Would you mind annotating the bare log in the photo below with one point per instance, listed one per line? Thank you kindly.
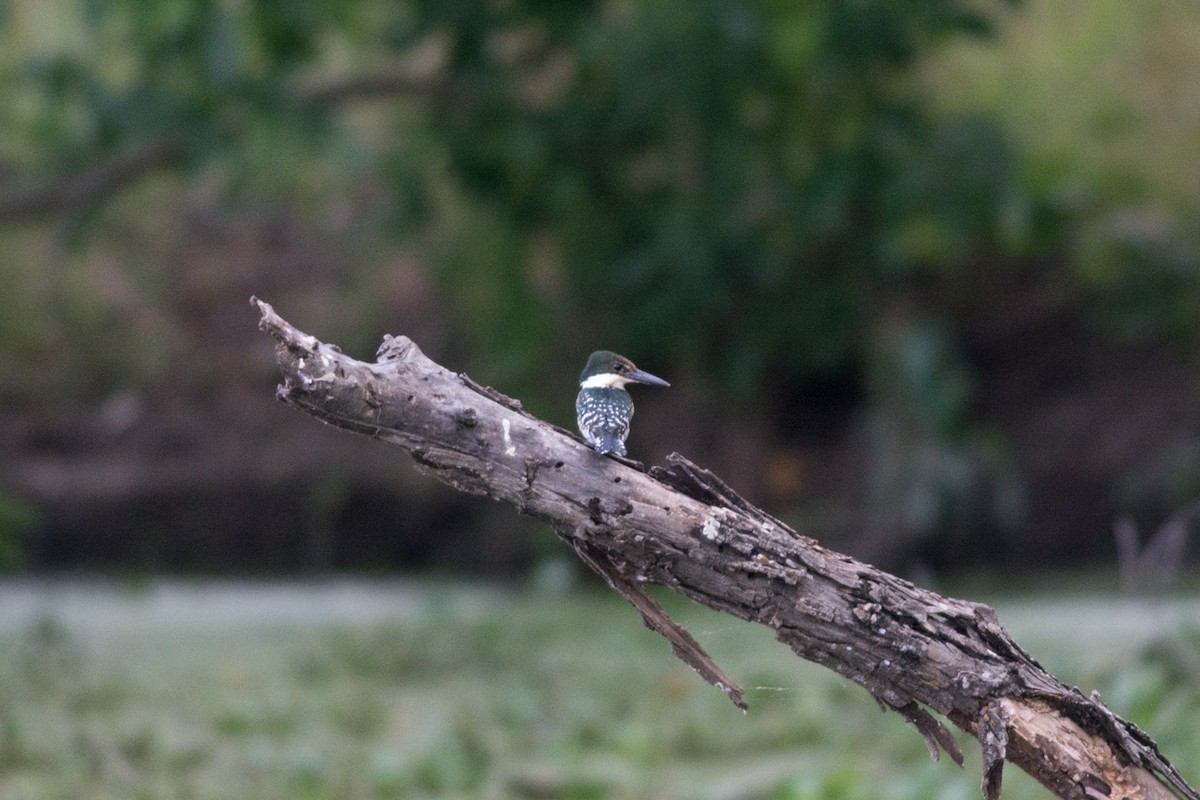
(680, 526)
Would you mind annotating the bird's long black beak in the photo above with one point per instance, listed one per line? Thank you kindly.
(641, 376)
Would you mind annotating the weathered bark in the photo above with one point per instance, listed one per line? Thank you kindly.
(682, 527)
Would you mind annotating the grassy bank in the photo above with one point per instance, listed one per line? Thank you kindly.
(490, 694)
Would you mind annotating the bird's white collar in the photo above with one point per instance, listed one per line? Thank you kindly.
(607, 380)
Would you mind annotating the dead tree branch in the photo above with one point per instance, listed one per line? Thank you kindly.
(681, 527)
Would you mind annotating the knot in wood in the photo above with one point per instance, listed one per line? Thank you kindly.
(606, 514)
(466, 418)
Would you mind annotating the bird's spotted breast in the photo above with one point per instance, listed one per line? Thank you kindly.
(603, 414)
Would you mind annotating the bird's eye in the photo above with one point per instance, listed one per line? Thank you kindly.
(618, 367)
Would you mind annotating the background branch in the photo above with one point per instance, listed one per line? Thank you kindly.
(88, 185)
(111, 175)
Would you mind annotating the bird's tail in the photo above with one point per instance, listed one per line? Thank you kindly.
(610, 443)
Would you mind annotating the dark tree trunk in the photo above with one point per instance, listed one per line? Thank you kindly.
(682, 527)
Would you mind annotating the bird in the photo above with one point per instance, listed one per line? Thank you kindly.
(603, 408)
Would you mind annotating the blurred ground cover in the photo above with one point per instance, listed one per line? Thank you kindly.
(473, 693)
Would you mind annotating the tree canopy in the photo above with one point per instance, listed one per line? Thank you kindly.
(736, 186)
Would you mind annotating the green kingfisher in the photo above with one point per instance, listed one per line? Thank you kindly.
(603, 408)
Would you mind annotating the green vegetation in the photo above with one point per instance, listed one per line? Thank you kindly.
(733, 187)
(827, 220)
(522, 696)
(740, 188)
(1098, 100)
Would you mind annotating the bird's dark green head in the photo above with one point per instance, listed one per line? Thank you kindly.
(606, 368)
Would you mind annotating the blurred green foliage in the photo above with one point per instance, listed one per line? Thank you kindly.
(734, 187)
(729, 186)
(931, 472)
(761, 195)
(1099, 104)
(740, 188)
